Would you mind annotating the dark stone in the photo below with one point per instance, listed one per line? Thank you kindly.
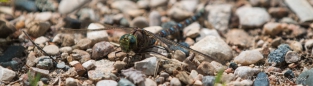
(125, 82)
(261, 80)
(208, 80)
(28, 5)
(11, 52)
(12, 64)
(278, 55)
(305, 78)
(233, 65)
(44, 80)
(289, 74)
(72, 23)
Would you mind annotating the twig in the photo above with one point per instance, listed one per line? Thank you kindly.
(39, 47)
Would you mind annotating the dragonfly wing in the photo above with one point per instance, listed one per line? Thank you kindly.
(106, 27)
(169, 42)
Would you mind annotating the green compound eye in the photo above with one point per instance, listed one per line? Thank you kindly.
(128, 42)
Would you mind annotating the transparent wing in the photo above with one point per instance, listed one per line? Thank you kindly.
(169, 42)
(106, 27)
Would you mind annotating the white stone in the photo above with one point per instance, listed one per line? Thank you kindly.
(66, 49)
(248, 57)
(89, 64)
(97, 35)
(246, 72)
(148, 82)
(67, 6)
(72, 63)
(107, 83)
(6, 74)
(153, 29)
(219, 15)
(41, 40)
(148, 66)
(51, 49)
(155, 3)
(252, 16)
(71, 82)
(193, 30)
(302, 8)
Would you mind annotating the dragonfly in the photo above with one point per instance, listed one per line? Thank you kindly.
(140, 39)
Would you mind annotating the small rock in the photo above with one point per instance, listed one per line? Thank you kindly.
(248, 57)
(101, 49)
(135, 75)
(278, 12)
(42, 72)
(95, 75)
(206, 32)
(66, 49)
(273, 69)
(233, 65)
(175, 82)
(226, 78)
(208, 80)
(72, 23)
(193, 30)
(153, 29)
(6, 29)
(44, 62)
(41, 40)
(66, 7)
(79, 69)
(125, 82)
(246, 82)
(278, 55)
(88, 13)
(219, 15)
(309, 44)
(217, 66)
(61, 65)
(179, 55)
(44, 5)
(89, 64)
(246, 72)
(184, 77)
(193, 74)
(198, 83)
(72, 63)
(178, 12)
(239, 37)
(97, 36)
(160, 80)
(156, 3)
(252, 16)
(277, 41)
(43, 16)
(51, 49)
(119, 65)
(148, 66)
(30, 61)
(140, 22)
(289, 74)
(305, 78)
(135, 12)
(107, 83)
(27, 5)
(124, 5)
(148, 82)
(288, 20)
(6, 74)
(272, 29)
(36, 28)
(302, 8)
(164, 74)
(84, 43)
(206, 68)
(261, 80)
(260, 3)
(105, 66)
(154, 18)
(214, 47)
(82, 56)
(291, 57)
(71, 82)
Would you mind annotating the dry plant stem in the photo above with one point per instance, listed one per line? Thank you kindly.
(39, 47)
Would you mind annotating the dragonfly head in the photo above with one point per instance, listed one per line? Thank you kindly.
(128, 42)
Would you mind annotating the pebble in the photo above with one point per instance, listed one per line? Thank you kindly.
(84, 43)
(289, 74)
(248, 57)
(175, 82)
(43, 16)
(198, 83)
(208, 80)
(260, 3)
(273, 69)
(140, 22)
(288, 20)
(51, 49)
(156, 3)
(66, 49)
(36, 28)
(27, 5)
(185, 78)
(291, 57)
(43, 72)
(124, 5)
(164, 74)
(135, 12)
(125, 82)
(246, 82)
(296, 46)
(95, 75)
(153, 29)
(66, 7)
(178, 13)
(89, 64)
(41, 40)
(189, 5)
(239, 37)
(6, 29)
(82, 55)
(72, 82)
(160, 80)
(72, 23)
(101, 49)
(11, 52)
(148, 82)
(305, 78)
(97, 36)
(105, 66)
(214, 47)
(80, 69)
(246, 72)
(261, 80)
(119, 65)
(206, 68)
(46, 5)
(30, 61)
(143, 4)
(309, 44)
(179, 55)
(233, 65)
(278, 55)
(6, 10)
(252, 16)
(219, 15)
(44, 62)
(88, 13)
(278, 12)
(6, 74)
(217, 66)
(148, 66)
(124, 22)
(193, 30)
(72, 63)
(302, 9)
(272, 29)
(135, 75)
(206, 32)
(108, 19)
(61, 65)
(227, 77)
(154, 18)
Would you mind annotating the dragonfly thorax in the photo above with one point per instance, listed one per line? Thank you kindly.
(128, 42)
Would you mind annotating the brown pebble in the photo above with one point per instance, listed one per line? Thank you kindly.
(229, 70)
(292, 65)
(79, 69)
